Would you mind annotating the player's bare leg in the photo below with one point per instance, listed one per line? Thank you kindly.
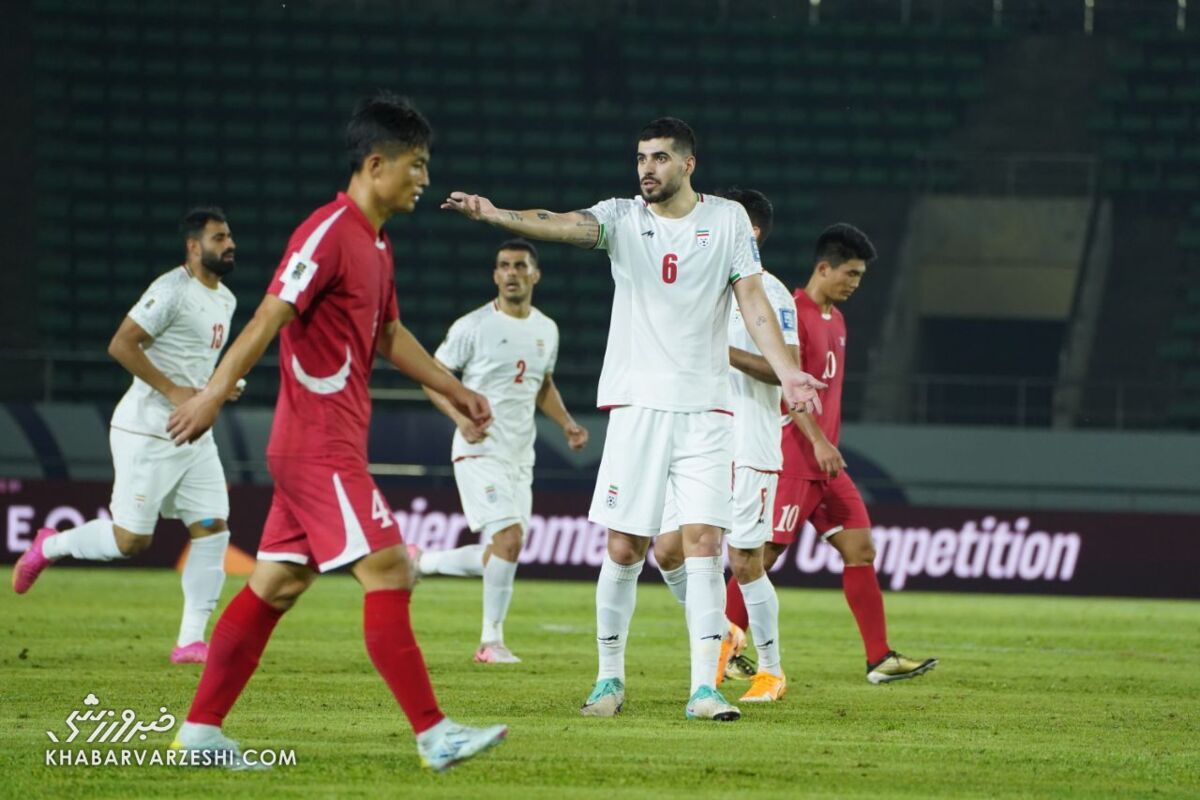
(763, 609)
(499, 572)
(707, 626)
(668, 552)
(616, 598)
(202, 580)
(861, 587)
(238, 641)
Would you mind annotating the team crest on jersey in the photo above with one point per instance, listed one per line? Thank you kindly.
(702, 237)
(787, 320)
(541, 348)
(490, 492)
(611, 499)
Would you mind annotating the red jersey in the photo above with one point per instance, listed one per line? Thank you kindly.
(340, 278)
(823, 355)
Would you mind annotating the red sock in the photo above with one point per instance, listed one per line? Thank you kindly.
(735, 605)
(394, 652)
(866, 602)
(238, 640)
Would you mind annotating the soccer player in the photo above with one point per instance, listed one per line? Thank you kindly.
(333, 304)
(169, 342)
(757, 459)
(814, 484)
(678, 258)
(506, 351)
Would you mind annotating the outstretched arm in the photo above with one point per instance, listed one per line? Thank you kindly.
(550, 401)
(578, 228)
(799, 388)
(192, 418)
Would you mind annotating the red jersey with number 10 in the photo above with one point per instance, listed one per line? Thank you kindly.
(823, 355)
(340, 278)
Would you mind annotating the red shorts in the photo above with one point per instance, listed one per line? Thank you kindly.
(830, 505)
(325, 516)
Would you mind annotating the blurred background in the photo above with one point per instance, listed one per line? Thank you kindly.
(1029, 338)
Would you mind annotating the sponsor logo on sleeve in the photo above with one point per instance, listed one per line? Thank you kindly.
(754, 250)
(298, 273)
(787, 319)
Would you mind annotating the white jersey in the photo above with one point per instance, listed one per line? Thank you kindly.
(189, 324)
(505, 359)
(756, 405)
(667, 344)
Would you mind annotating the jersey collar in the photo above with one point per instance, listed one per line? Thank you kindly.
(344, 200)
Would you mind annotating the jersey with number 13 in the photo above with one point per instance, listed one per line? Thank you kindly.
(667, 338)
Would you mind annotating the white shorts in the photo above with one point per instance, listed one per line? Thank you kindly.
(753, 507)
(152, 476)
(494, 494)
(655, 460)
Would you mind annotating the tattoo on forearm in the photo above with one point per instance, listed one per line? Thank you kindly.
(542, 215)
(515, 216)
(760, 321)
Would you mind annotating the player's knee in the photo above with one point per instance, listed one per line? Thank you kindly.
(623, 551)
(668, 554)
(283, 595)
(131, 544)
(857, 549)
(507, 543)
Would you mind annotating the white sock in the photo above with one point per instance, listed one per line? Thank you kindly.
(705, 616)
(91, 541)
(763, 606)
(616, 597)
(676, 580)
(203, 577)
(498, 576)
(461, 562)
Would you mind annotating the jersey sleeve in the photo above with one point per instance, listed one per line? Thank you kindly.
(746, 260)
(553, 360)
(785, 310)
(458, 347)
(607, 212)
(308, 268)
(160, 304)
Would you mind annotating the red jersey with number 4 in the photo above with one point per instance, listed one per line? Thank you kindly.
(340, 278)
(822, 354)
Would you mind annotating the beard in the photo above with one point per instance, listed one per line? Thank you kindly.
(663, 193)
(216, 263)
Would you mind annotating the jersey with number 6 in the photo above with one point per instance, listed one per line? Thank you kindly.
(822, 354)
(667, 339)
(756, 404)
(189, 324)
(505, 359)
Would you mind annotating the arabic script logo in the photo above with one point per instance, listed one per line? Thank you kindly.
(111, 727)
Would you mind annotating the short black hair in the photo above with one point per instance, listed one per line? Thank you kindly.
(671, 128)
(385, 123)
(519, 244)
(196, 220)
(843, 242)
(758, 207)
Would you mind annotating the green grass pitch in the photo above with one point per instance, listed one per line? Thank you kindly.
(1035, 696)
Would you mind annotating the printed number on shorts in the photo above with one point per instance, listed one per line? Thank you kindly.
(520, 372)
(379, 510)
(670, 268)
(789, 517)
